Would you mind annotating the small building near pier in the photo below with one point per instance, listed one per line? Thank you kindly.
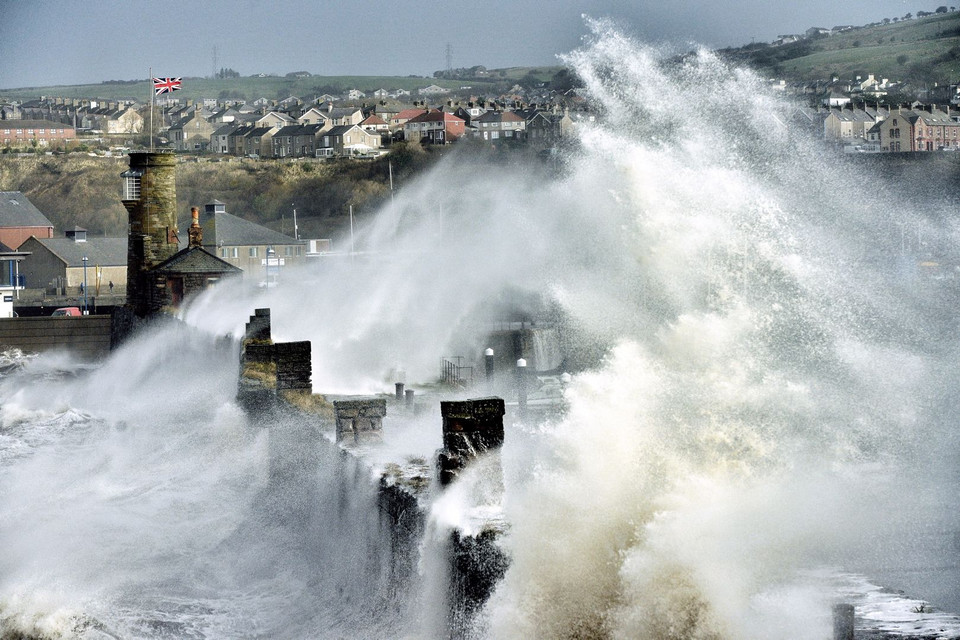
(251, 247)
(193, 269)
(61, 265)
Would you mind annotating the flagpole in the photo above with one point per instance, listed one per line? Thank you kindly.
(153, 97)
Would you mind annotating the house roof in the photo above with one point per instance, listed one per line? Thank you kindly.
(196, 260)
(435, 116)
(852, 115)
(298, 130)
(343, 112)
(499, 116)
(342, 129)
(35, 124)
(229, 230)
(935, 118)
(105, 252)
(226, 129)
(406, 114)
(17, 211)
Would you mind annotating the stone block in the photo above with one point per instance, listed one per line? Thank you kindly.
(360, 420)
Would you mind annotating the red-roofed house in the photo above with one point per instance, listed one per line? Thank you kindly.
(397, 121)
(434, 127)
(375, 124)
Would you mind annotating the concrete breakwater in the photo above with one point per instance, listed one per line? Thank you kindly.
(275, 389)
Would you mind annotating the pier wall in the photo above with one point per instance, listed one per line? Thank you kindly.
(85, 337)
(473, 564)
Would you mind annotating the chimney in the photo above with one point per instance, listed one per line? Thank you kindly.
(195, 232)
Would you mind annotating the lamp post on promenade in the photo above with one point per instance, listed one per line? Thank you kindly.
(84, 285)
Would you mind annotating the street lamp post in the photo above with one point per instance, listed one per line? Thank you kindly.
(273, 267)
(84, 285)
(522, 388)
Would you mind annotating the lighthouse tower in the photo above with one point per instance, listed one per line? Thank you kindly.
(150, 197)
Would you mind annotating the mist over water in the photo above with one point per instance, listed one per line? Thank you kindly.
(763, 387)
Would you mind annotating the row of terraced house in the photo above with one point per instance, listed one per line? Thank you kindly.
(354, 131)
(922, 128)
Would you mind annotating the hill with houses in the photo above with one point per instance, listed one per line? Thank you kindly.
(887, 87)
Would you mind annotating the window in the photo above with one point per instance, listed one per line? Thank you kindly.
(288, 251)
(234, 252)
(298, 251)
(253, 252)
(223, 252)
(131, 184)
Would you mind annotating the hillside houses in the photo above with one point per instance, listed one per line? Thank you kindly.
(434, 127)
(920, 130)
(844, 112)
(111, 117)
(881, 130)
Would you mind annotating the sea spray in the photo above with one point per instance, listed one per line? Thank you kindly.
(763, 382)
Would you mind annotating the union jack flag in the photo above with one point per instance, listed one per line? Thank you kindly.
(165, 85)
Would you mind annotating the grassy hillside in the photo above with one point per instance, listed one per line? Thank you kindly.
(252, 88)
(76, 189)
(923, 50)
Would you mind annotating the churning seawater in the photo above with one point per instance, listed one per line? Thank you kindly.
(763, 399)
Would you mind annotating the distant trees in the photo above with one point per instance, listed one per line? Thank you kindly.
(941, 9)
(462, 73)
(226, 73)
(902, 59)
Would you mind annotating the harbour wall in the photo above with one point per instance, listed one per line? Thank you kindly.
(274, 389)
(84, 337)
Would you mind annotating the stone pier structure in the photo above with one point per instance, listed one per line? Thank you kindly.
(472, 563)
(470, 428)
(268, 367)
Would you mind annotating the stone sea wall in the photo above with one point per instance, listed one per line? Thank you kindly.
(474, 562)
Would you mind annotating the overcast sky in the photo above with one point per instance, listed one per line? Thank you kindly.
(51, 42)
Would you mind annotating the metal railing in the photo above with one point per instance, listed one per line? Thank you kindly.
(455, 374)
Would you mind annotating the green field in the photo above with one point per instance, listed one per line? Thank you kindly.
(923, 50)
(278, 88)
